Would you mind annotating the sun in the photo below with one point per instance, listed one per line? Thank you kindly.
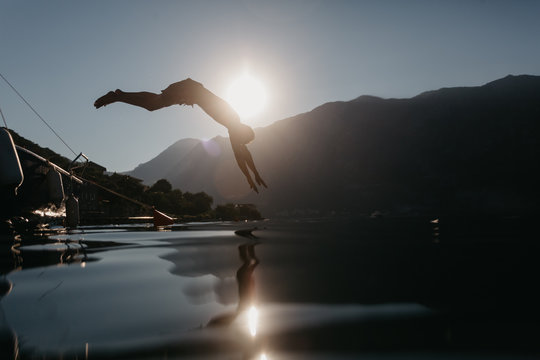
(246, 95)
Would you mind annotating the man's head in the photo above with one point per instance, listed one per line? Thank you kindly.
(242, 134)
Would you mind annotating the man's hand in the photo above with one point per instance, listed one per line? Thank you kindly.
(260, 181)
(252, 184)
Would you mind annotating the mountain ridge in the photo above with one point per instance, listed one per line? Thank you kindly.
(161, 162)
(452, 150)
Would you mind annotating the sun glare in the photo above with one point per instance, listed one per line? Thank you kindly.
(247, 96)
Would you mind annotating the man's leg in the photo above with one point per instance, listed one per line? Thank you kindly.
(147, 100)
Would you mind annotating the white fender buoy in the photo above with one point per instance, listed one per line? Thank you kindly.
(55, 186)
(11, 174)
(72, 211)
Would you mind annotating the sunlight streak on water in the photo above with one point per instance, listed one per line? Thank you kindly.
(51, 211)
(253, 318)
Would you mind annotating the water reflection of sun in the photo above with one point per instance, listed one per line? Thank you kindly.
(253, 319)
(247, 95)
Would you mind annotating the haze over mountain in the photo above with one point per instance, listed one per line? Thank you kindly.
(155, 169)
(467, 150)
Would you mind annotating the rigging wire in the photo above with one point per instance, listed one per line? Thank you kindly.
(37, 114)
(3, 118)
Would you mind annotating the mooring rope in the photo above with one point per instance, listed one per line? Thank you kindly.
(37, 114)
(115, 193)
(140, 203)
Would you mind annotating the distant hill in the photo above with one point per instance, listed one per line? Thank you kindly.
(467, 150)
(160, 166)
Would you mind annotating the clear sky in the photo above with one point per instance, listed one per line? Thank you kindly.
(62, 55)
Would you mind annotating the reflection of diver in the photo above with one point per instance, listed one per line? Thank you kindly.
(244, 276)
(246, 286)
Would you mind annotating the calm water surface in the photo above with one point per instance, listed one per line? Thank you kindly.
(310, 289)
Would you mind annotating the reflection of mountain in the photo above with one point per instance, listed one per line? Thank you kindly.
(452, 150)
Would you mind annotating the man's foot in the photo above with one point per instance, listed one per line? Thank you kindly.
(108, 98)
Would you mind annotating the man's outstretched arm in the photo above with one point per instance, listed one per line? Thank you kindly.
(251, 164)
(245, 162)
(240, 155)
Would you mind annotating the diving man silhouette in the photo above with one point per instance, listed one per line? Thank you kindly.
(190, 92)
